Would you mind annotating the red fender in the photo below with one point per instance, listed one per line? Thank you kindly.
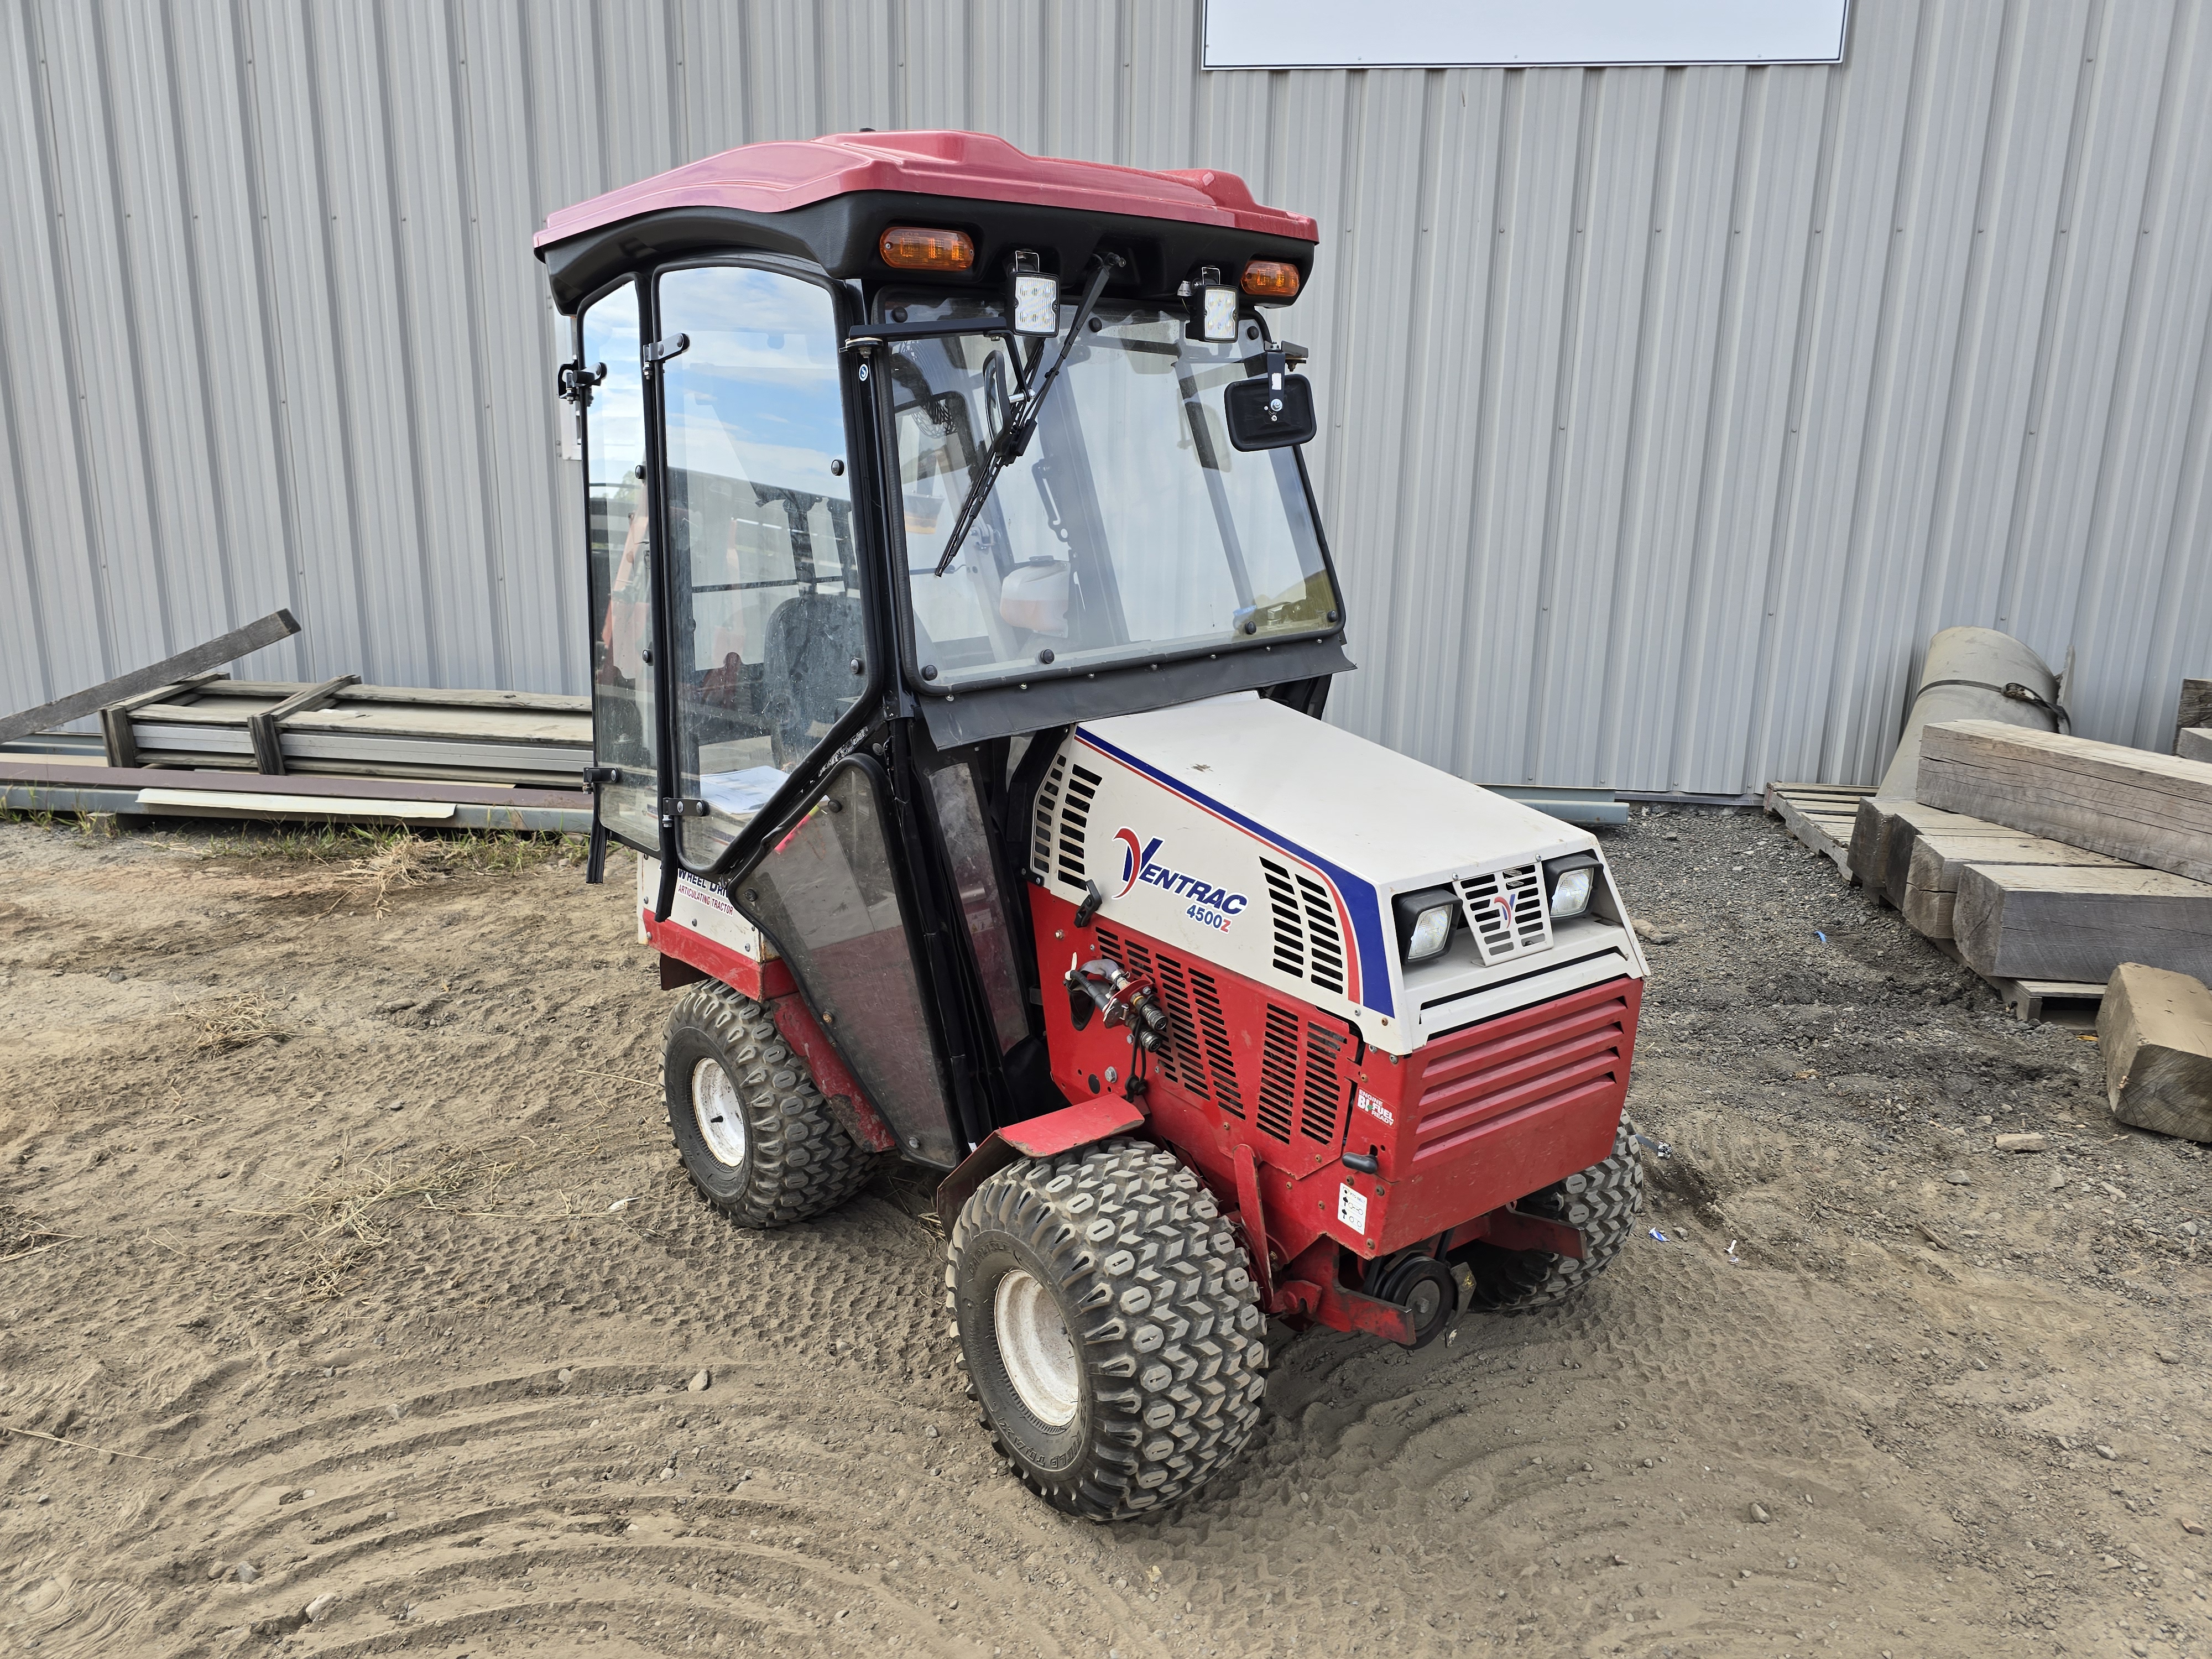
(1035, 1137)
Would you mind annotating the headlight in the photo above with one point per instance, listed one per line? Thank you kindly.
(1424, 922)
(1571, 891)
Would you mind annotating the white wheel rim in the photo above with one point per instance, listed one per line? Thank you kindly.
(722, 1119)
(1039, 1353)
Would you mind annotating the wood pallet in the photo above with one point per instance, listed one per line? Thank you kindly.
(2067, 1002)
(1819, 814)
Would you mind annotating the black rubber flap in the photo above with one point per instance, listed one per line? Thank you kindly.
(1005, 711)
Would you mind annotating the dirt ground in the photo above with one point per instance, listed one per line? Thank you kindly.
(346, 1246)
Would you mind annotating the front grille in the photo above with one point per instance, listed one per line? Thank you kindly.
(1474, 1079)
(1075, 828)
(1308, 945)
(1505, 909)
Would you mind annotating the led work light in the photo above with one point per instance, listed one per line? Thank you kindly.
(1212, 307)
(1571, 879)
(913, 247)
(1424, 922)
(1032, 296)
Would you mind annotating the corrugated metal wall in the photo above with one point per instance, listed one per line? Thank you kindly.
(1668, 411)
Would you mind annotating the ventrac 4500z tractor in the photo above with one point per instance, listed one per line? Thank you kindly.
(960, 624)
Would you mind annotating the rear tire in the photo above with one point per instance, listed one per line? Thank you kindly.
(1602, 1201)
(756, 1136)
(1110, 1328)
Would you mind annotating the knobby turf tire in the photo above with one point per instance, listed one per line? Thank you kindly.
(1602, 1201)
(1159, 1301)
(798, 1162)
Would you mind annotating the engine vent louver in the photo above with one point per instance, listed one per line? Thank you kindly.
(1309, 945)
(1278, 1072)
(1075, 827)
(1047, 816)
(1181, 1060)
(1220, 1058)
(1322, 1092)
(1505, 909)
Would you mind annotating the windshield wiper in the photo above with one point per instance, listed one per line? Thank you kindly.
(1014, 438)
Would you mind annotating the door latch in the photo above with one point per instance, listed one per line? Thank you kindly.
(682, 806)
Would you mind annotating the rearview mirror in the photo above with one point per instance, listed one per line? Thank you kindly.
(1270, 412)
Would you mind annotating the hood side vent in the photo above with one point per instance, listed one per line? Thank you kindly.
(1325, 941)
(1309, 945)
(1046, 815)
(1075, 828)
(1290, 935)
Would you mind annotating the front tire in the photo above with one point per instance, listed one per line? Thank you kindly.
(1110, 1328)
(1602, 1201)
(755, 1134)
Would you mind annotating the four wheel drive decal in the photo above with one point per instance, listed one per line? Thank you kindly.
(1357, 903)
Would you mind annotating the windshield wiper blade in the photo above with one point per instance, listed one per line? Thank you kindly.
(1009, 444)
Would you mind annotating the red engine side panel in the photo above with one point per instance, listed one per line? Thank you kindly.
(1475, 1120)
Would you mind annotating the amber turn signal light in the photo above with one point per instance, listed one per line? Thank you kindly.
(910, 248)
(1271, 279)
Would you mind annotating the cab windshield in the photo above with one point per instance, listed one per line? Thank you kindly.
(1130, 531)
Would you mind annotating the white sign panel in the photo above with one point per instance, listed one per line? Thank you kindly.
(1516, 33)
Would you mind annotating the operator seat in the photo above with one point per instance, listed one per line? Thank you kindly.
(806, 669)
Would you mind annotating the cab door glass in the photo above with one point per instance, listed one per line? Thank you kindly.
(759, 537)
(968, 849)
(620, 560)
(824, 894)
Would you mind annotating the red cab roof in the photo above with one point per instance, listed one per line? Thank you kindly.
(775, 178)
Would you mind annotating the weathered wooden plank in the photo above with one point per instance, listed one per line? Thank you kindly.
(268, 754)
(1807, 829)
(1878, 818)
(2194, 743)
(2151, 810)
(1904, 833)
(2024, 921)
(1933, 858)
(2195, 709)
(239, 642)
(2155, 1030)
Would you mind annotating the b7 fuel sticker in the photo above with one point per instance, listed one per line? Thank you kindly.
(1374, 1108)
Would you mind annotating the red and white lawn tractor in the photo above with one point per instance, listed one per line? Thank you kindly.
(961, 622)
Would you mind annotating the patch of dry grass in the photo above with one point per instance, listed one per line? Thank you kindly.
(395, 846)
(346, 1221)
(240, 1022)
(20, 1236)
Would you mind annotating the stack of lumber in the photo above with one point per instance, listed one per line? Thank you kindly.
(343, 728)
(2155, 1028)
(2047, 861)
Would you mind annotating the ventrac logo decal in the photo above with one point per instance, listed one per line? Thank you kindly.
(1209, 905)
(1505, 901)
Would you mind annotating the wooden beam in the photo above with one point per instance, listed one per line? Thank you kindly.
(2195, 709)
(2024, 921)
(2151, 810)
(1906, 830)
(265, 728)
(2194, 743)
(1933, 858)
(239, 642)
(2155, 1030)
(1878, 818)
